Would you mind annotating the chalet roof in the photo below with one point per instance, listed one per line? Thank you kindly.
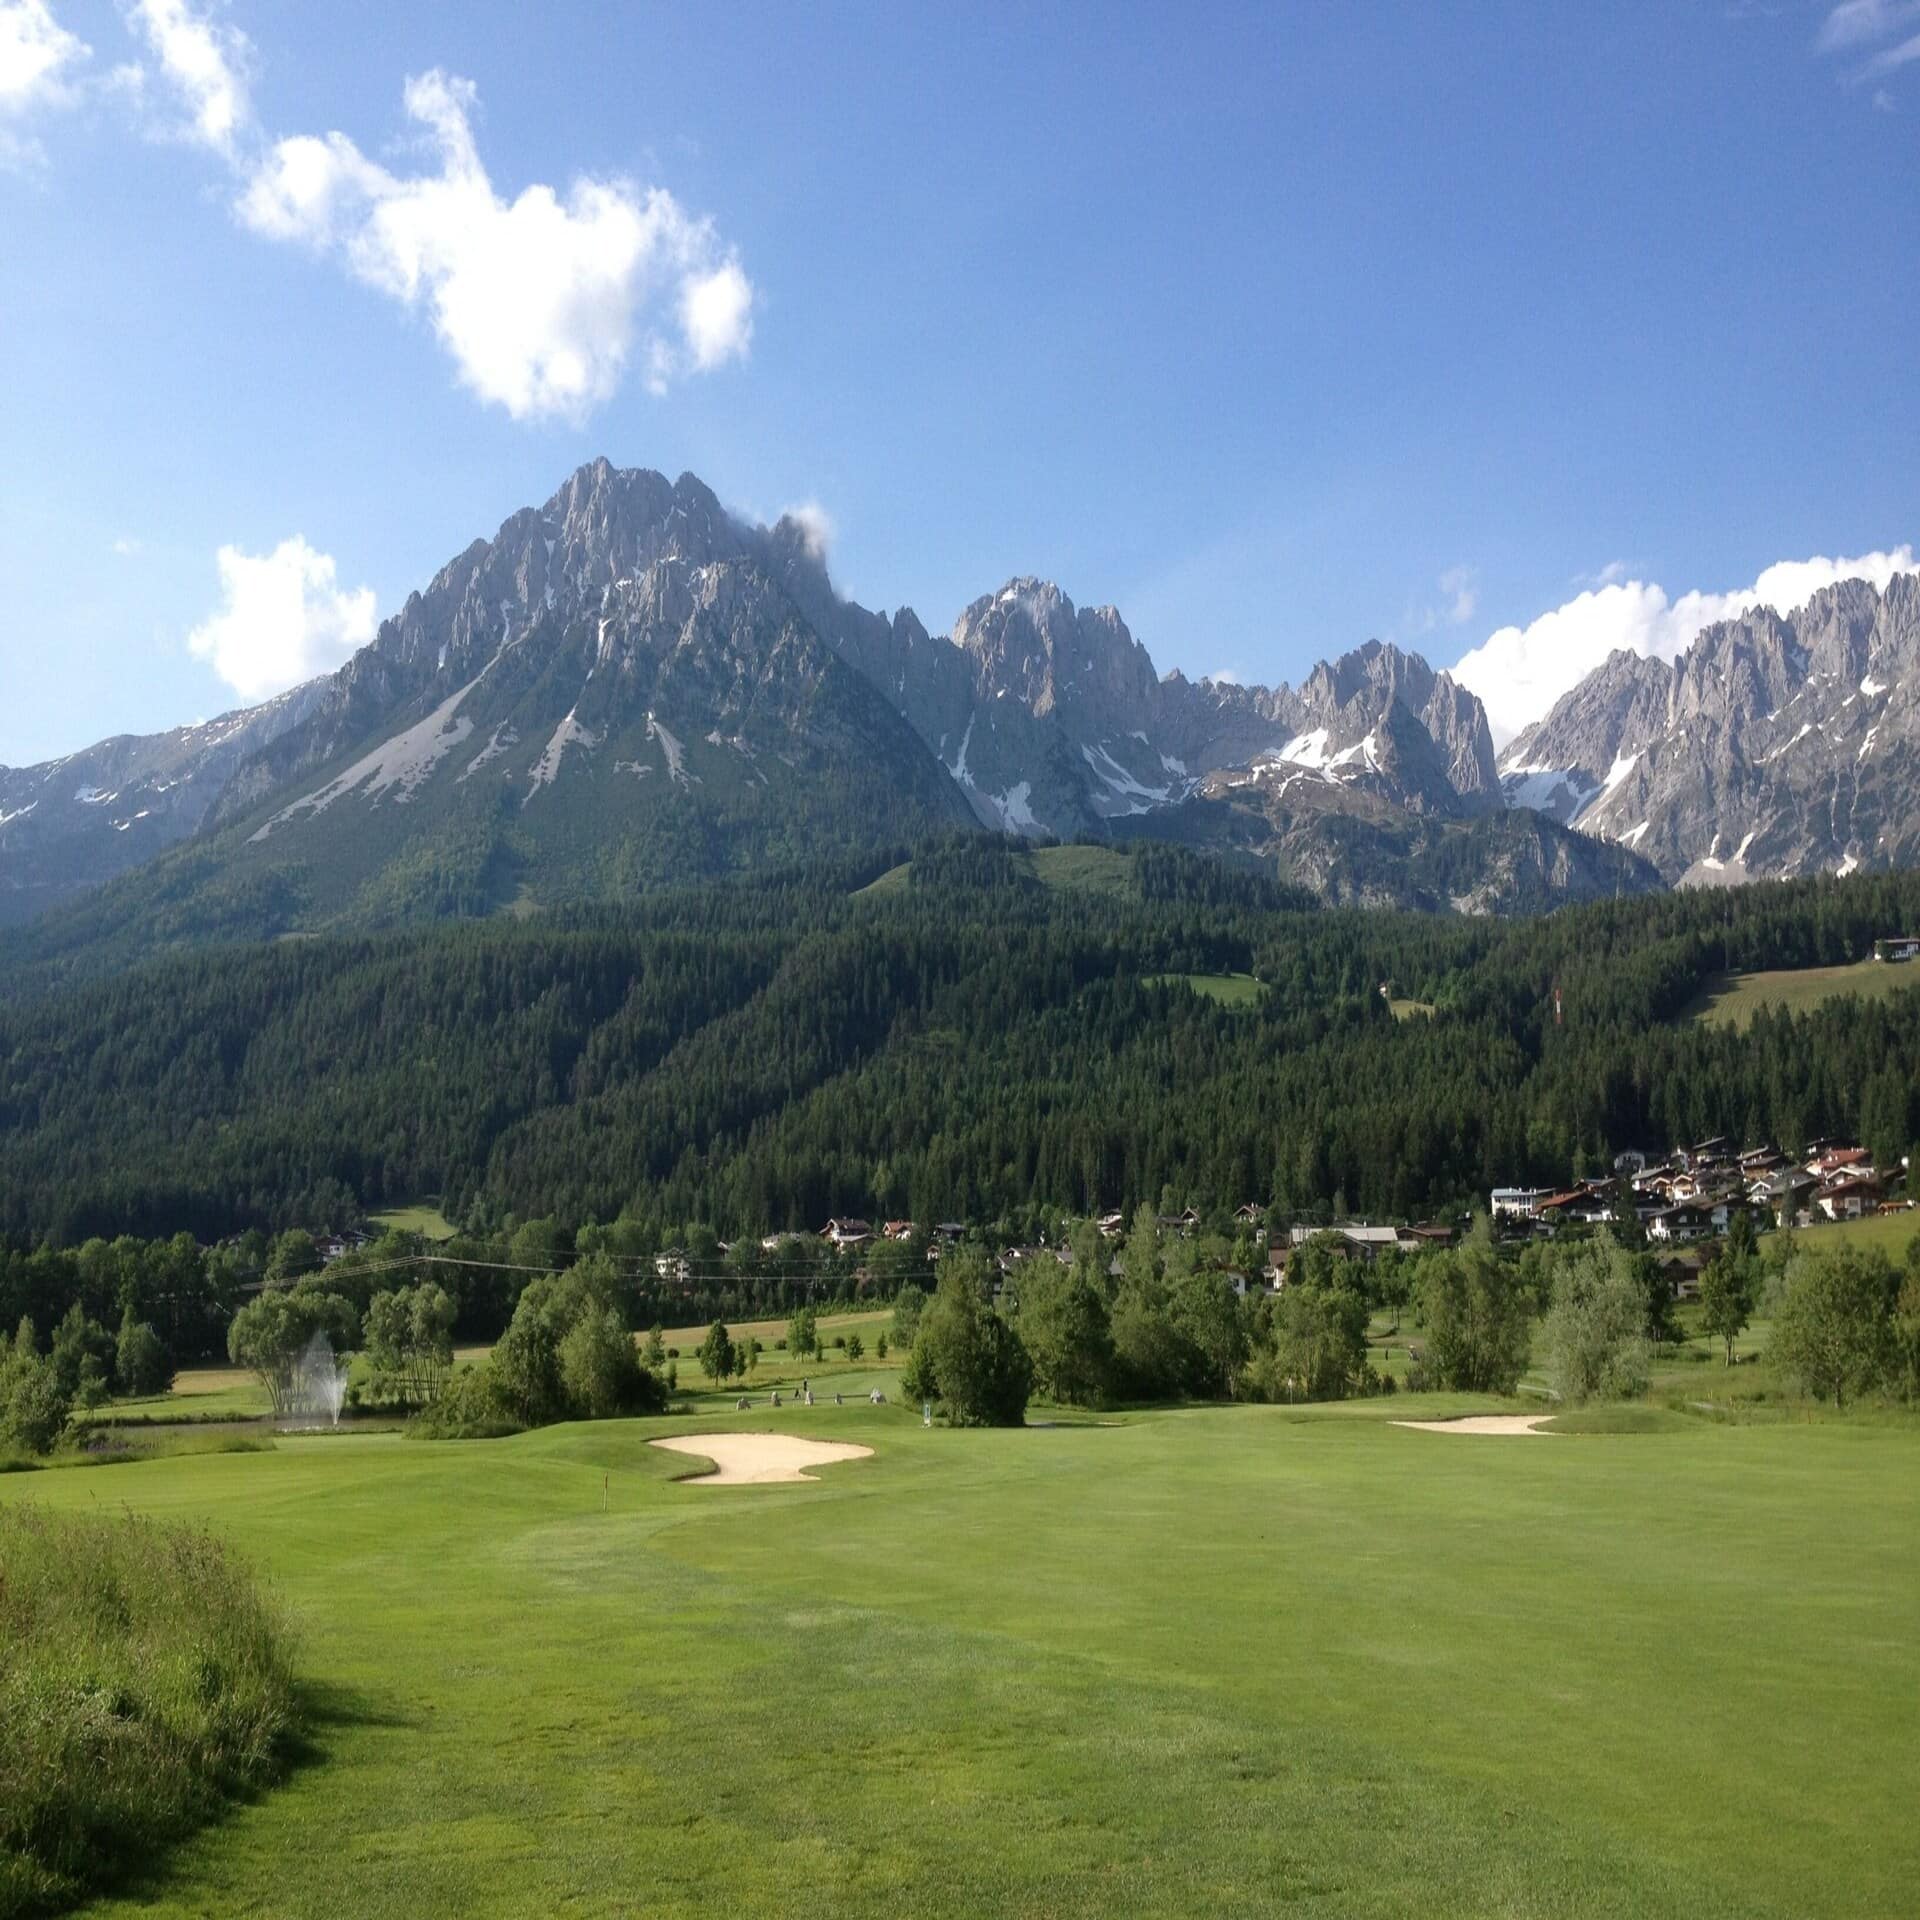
(1864, 1181)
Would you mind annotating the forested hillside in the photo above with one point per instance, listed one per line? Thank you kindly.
(962, 1043)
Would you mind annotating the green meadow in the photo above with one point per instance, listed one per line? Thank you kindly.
(1229, 989)
(1068, 869)
(1733, 999)
(425, 1219)
(1224, 1660)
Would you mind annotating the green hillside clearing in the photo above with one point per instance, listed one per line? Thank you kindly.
(1732, 1000)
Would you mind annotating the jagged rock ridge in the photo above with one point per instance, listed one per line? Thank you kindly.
(629, 686)
(1775, 746)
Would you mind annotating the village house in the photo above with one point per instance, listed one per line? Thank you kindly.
(1851, 1197)
(1677, 1223)
(1588, 1201)
(1905, 946)
(1252, 1214)
(1518, 1203)
(1835, 1161)
(1360, 1238)
(671, 1265)
(1707, 1153)
(1110, 1223)
(847, 1233)
(898, 1230)
(1787, 1186)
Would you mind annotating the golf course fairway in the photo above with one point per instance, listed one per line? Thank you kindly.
(1233, 1660)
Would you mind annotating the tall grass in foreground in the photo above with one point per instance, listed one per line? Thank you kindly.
(144, 1679)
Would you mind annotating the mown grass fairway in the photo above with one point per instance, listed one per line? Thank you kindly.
(1735, 998)
(1232, 1660)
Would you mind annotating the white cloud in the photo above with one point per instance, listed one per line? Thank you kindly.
(1859, 32)
(815, 524)
(1891, 58)
(1224, 676)
(206, 62)
(1460, 585)
(540, 298)
(37, 60)
(37, 55)
(1859, 23)
(1460, 594)
(1519, 672)
(129, 546)
(283, 619)
(716, 315)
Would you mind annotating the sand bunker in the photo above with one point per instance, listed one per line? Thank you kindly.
(1482, 1423)
(759, 1459)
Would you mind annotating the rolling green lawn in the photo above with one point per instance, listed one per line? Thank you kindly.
(1233, 1660)
(1733, 999)
(1230, 989)
(1407, 1009)
(1892, 1233)
(866, 1323)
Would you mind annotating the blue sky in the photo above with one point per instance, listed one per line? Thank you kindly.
(1278, 327)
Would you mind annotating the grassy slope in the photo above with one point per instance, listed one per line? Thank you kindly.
(1736, 998)
(1230, 989)
(425, 1220)
(1213, 1661)
(1065, 869)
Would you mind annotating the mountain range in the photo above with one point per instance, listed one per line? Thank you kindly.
(630, 687)
(1775, 746)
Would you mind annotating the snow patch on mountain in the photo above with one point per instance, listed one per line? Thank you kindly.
(675, 753)
(398, 766)
(569, 733)
(1120, 780)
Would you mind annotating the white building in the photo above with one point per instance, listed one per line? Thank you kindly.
(1518, 1203)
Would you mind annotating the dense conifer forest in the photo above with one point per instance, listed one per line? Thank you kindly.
(964, 1043)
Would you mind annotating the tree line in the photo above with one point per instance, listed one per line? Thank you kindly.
(972, 1046)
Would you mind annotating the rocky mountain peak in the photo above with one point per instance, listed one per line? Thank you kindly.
(1777, 744)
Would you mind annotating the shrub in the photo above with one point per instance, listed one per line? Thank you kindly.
(1319, 1349)
(1834, 1331)
(1596, 1326)
(140, 1362)
(144, 1679)
(908, 1305)
(600, 1370)
(272, 1332)
(33, 1406)
(1477, 1314)
(719, 1359)
(469, 1407)
(966, 1356)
